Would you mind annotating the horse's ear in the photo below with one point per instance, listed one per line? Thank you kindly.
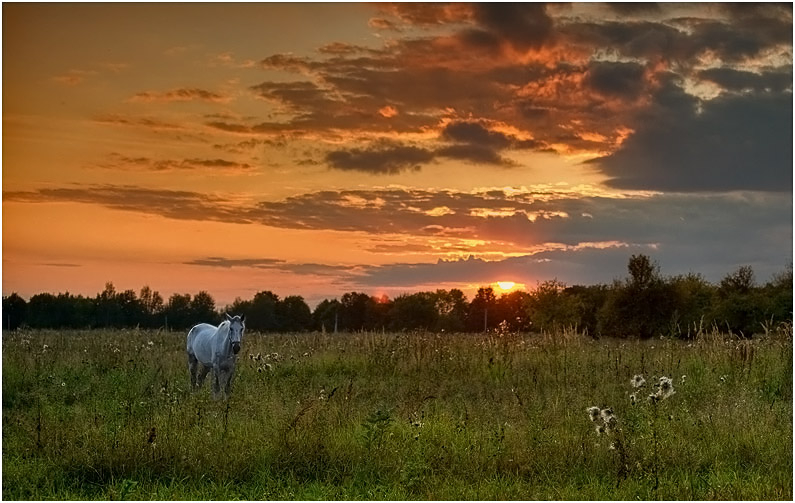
(243, 317)
(228, 318)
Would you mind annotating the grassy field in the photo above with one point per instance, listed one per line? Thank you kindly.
(107, 415)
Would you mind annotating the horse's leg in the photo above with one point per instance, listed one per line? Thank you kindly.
(216, 382)
(202, 375)
(193, 363)
(229, 375)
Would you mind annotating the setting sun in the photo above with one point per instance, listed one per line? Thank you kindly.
(506, 285)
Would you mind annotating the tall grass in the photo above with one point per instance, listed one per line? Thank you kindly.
(108, 415)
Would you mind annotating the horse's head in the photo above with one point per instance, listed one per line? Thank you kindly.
(236, 326)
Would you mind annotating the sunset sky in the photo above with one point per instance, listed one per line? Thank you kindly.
(317, 149)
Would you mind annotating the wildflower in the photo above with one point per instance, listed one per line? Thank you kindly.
(666, 388)
(610, 424)
(593, 413)
(150, 343)
(722, 379)
(633, 398)
(683, 379)
(600, 429)
(613, 446)
(637, 381)
(63, 384)
(653, 398)
(607, 414)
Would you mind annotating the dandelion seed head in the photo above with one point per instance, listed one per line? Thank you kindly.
(637, 381)
(607, 413)
(593, 413)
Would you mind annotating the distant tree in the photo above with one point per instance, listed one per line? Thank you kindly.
(550, 308)
(778, 295)
(481, 313)
(379, 309)
(642, 306)
(451, 307)
(741, 281)
(642, 271)
(414, 311)
(263, 315)
(325, 317)
(131, 310)
(739, 306)
(357, 312)
(153, 305)
(108, 309)
(588, 301)
(239, 307)
(177, 312)
(693, 296)
(14, 311)
(46, 310)
(511, 309)
(202, 309)
(295, 314)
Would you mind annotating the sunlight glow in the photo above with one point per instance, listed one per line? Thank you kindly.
(505, 285)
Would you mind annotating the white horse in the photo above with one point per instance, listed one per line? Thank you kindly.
(216, 349)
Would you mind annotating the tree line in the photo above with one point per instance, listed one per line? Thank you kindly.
(644, 304)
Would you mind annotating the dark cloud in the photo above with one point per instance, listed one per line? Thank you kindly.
(523, 25)
(379, 159)
(579, 85)
(582, 266)
(227, 263)
(465, 141)
(694, 231)
(182, 205)
(738, 80)
(145, 122)
(632, 8)
(732, 142)
(181, 94)
(216, 166)
(477, 154)
(308, 269)
(617, 80)
(475, 133)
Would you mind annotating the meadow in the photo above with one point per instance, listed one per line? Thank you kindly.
(107, 414)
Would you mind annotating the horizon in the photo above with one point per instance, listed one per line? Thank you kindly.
(391, 148)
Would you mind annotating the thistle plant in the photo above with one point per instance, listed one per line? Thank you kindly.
(606, 424)
(665, 389)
